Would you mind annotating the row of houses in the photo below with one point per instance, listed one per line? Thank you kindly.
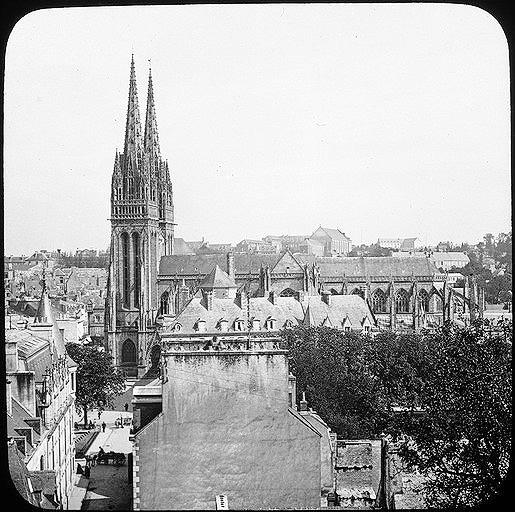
(40, 394)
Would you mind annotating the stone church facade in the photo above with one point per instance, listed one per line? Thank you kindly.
(142, 225)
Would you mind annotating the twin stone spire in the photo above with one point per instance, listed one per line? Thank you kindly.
(135, 142)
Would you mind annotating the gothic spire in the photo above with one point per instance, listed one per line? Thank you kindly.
(151, 135)
(133, 126)
(45, 318)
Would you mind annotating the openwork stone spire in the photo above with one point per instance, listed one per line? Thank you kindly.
(133, 142)
(151, 135)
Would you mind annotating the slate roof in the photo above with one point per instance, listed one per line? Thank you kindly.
(335, 234)
(374, 266)
(286, 308)
(450, 256)
(17, 420)
(312, 312)
(350, 307)
(203, 263)
(217, 278)
(358, 471)
(181, 248)
(19, 473)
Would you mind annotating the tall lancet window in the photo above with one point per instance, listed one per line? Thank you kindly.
(135, 246)
(125, 269)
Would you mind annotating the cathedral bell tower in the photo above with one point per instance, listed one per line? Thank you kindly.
(141, 232)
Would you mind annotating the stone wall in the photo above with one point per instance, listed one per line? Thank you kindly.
(226, 429)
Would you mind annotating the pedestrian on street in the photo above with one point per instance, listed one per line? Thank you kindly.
(99, 413)
(126, 406)
(103, 426)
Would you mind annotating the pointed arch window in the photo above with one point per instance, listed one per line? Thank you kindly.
(402, 301)
(164, 303)
(288, 292)
(423, 301)
(379, 302)
(125, 269)
(128, 352)
(136, 268)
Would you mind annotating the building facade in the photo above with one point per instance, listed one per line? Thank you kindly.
(142, 229)
(41, 403)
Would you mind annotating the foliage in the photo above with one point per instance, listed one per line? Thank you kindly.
(463, 440)
(331, 368)
(459, 378)
(98, 381)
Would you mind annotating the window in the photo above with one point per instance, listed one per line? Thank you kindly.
(164, 304)
(177, 327)
(379, 301)
(201, 325)
(128, 352)
(402, 301)
(126, 270)
(238, 325)
(423, 301)
(136, 263)
(270, 324)
(347, 328)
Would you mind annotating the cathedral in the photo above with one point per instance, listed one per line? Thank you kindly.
(142, 224)
(149, 286)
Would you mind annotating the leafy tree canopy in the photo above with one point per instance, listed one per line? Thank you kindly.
(453, 384)
(98, 381)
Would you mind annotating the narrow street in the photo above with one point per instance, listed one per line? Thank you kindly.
(109, 487)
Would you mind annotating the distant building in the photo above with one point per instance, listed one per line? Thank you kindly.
(448, 260)
(255, 246)
(444, 246)
(398, 244)
(335, 242)
(40, 407)
(292, 243)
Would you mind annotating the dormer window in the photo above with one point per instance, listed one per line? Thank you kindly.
(201, 325)
(239, 325)
(347, 328)
(288, 324)
(255, 324)
(177, 327)
(270, 324)
(222, 325)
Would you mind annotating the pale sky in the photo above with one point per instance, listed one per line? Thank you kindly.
(381, 120)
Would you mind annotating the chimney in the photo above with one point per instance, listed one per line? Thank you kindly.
(242, 299)
(208, 299)
(273, 298)
(21, 324)
(230, 265)
(11, 357)
(326, 297)
(303, 403)
(8, 393)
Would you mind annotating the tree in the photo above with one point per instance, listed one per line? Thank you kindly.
(462, 442)
(331, 368)
(98, 381)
